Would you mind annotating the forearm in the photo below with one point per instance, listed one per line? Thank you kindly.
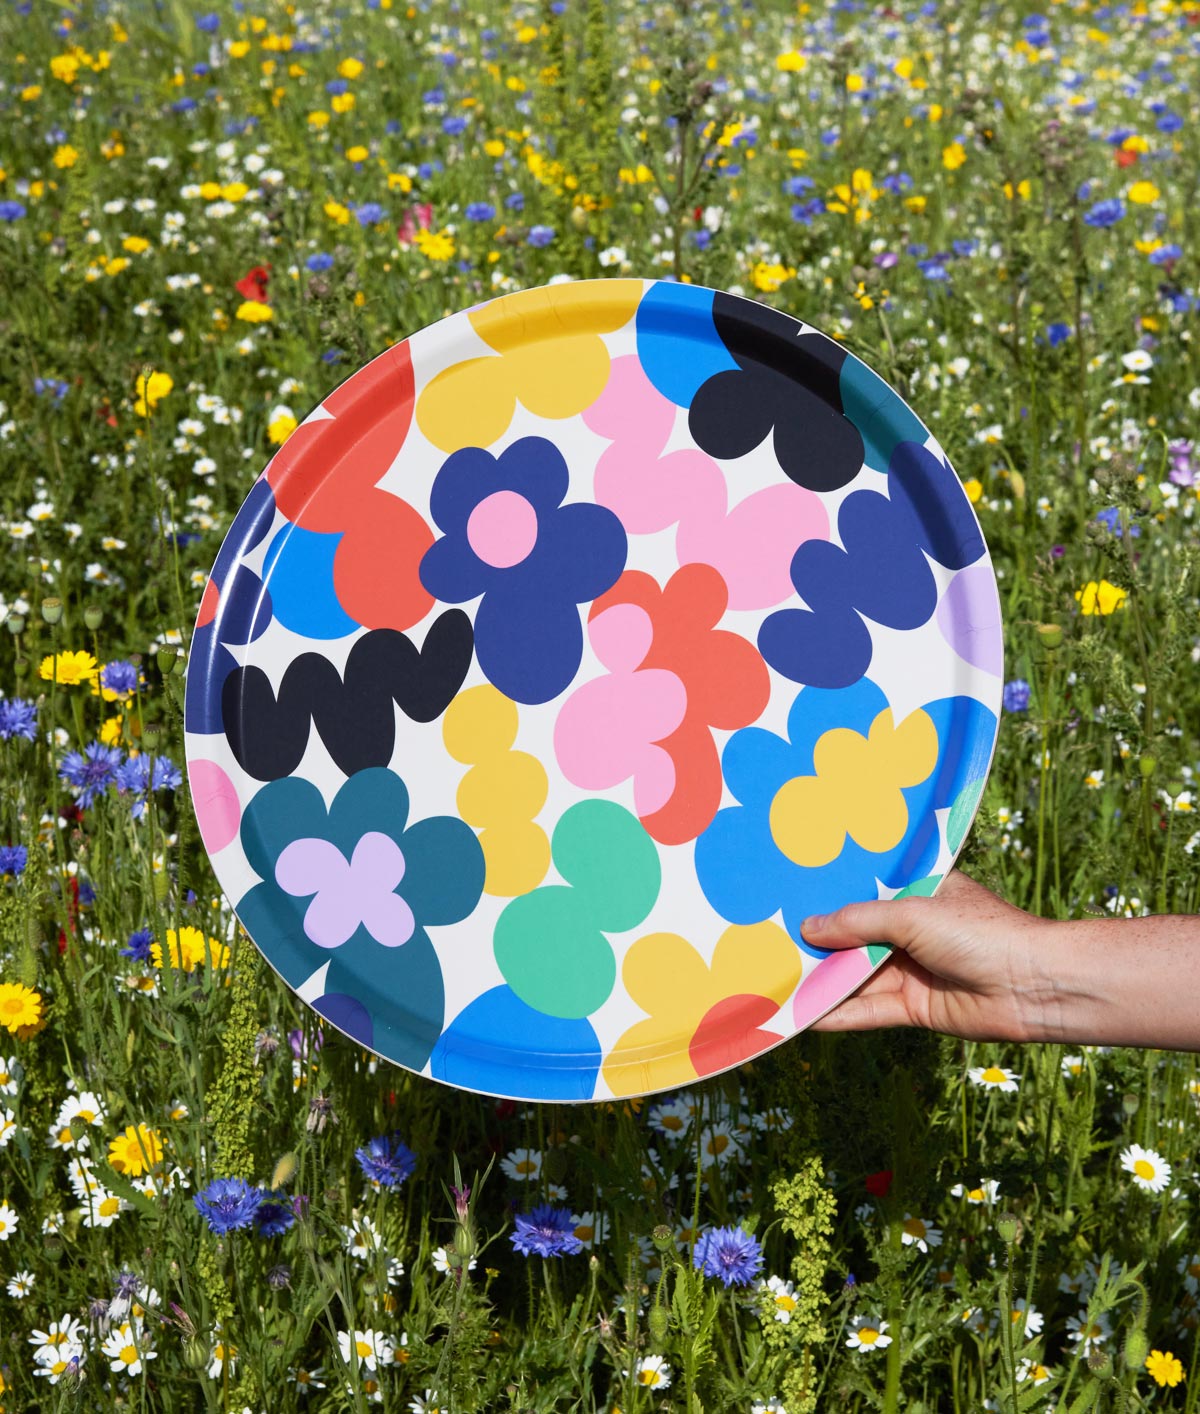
(1117, 982)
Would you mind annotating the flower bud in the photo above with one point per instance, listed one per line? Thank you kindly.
(636, 207)
(21, 667)
(1051, 635)
(52, 1247)
(285, 1171)
(1006, 1226)
(1174, 788)
(52, 610)
(579, 218)
(465, 1245)
(1100, 1362)
(1147, 765)
(1131, 1104)
(1137, 1347)
(195, 1353)
(16, 624)
(165, 658)
(661, 1237)
(93, 617)
(659, 1321)
(180, 663)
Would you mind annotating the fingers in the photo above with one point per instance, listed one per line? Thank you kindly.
(865, 1013)
(876, 921)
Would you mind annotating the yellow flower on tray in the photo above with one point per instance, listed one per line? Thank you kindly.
(1102, 598)
(135, 1151)
(20, 1006)
(69, 668)
(188, 949)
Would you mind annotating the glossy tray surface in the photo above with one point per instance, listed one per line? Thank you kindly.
(568, 656)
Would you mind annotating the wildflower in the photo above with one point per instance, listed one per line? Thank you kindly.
(222, 1352)
(1032, 1370)
(188, 948)
(138, 946)
(136, 1151)
(1165, 1368)
(280, 425)
(916, 1232)
(66, 1363)
(20, 1285)
(1143, 193)
(522, 1164)
(440, 1258)
(1105, 213)
(369, 1347)
(227, 1204)
(13, 859)
(540, 236)
(386, 1161)
(868, 1335)
(65, 1331)
(362, 1238)
(1016, 695)
(994, 1077)
(1102, 598)
(987, 1192)
(127, 1348)
(90, 772)
(118, 681)
(17, 718)
(253, 311)
(729, 1254)
(1026, 1320)
(1088, 1334)
(434, 245)
(1150, 1171)
(590, 1228)
(151, 391)
(953, 156)
(652, 1371)
(69, 669)
(273, 1217)
(20, 1006)
(781, 1297)
(545, 1232)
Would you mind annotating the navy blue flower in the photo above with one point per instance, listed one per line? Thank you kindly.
(137, 949)
(507, 537)
(90, 772)
(228, 1204)
(273, 1216)
(17, 718)
(732, 1256)
(1016, 695)
(1105, 213)
(545, 1232)
(13, 858)
(386, 1160)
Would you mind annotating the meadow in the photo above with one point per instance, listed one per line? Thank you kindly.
(208, 220)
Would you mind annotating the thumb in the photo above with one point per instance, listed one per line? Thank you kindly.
(892, 921)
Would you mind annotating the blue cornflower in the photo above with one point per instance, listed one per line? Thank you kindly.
(183, 105)
(540, 236)
(11, 211)
(119, 676)
(209, 23)
(702, 239)
(336, 87)
(91, 772)
(1057, 332)
(434, 95)
(732, 1256)
(545, 1232)
(333, 356)
(228, 1204)
(1016, 695)
(133, 775)
(804, 211)
(797, 186)
(1111, 517)
(273, 1216)
(896, 182)
(933, 269)
(386, 1160)
(480, 211)
(965, 248)
(1169, 123)
(13, 858)
(454, 125)
(370, 213)
(1165, 253)
(165, 774)
(1105, 213)
(87, 893)
(319, 262)
(137, 949)
(515, 201)
(17, 718)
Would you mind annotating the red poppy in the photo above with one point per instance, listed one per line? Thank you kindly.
(879, 1185)
(1126, 158)
(105, 413)
(253, 284)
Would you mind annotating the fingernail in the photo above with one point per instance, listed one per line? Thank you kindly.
(814, 924)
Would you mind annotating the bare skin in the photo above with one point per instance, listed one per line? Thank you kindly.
(968, 964)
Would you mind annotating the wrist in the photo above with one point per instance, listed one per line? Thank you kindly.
(1058, 999)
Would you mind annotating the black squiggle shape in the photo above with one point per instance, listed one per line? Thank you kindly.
(353, 712)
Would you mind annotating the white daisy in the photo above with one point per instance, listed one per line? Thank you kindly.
(866, 1334)
(10, 1075)
(1150, 1170)
(370, 1347)
(67, 1330)
(362, 1238)
(1088, 1335)
(1033, 1370)
(524, 1165)
(8, 1126)
(128, 1348)
(220, 1353)
(21, 1285)
(8, 1222)
(994, 1077)
(652, 1371)
(590, 1228)
(987, 1192)
(916, 1231)
(782, 1297)
(441, 1261)
(1072, 1066)
(718, 1144)
(65, 1361)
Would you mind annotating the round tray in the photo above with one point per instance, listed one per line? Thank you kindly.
(568, 656)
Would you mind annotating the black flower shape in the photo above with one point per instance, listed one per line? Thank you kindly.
(787, 381)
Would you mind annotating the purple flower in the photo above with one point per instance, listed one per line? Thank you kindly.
(732, 1256)
(545, 1232)
(273, 1216)
(386, 1160)
(13, 858)
(1016, 695)
(1105, 213)
(92, 772)
(1182, 473)
(540, 236)
(17, 718)
(886, 259)
(138, 946)
(228, 1204)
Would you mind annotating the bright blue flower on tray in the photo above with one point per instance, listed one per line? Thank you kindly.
(356, 886)
(508, 538)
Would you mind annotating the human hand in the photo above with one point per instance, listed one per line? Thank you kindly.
(964, 962)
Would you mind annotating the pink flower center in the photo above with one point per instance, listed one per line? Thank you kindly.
(502, 529)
